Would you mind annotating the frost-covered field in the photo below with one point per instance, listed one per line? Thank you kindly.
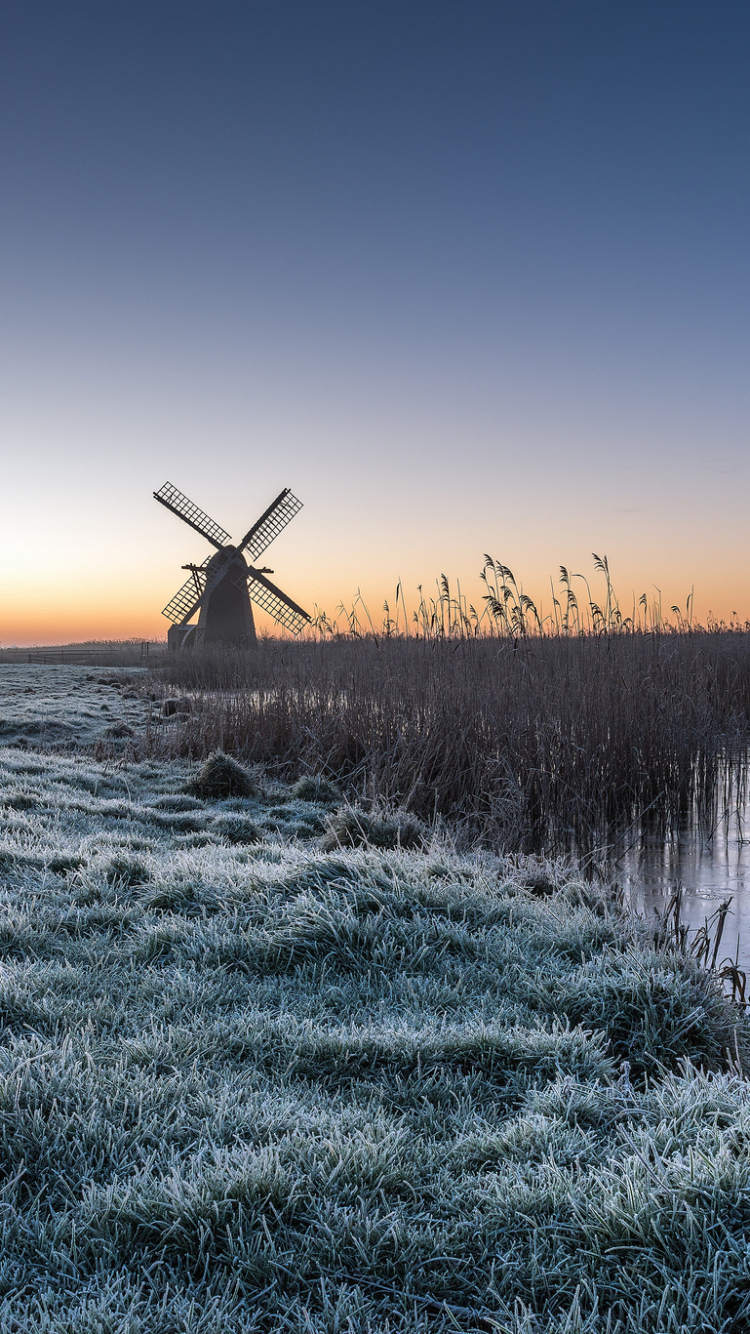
(247, 1083)
(70, 706)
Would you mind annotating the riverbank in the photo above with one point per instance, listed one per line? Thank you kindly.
(251, 1080)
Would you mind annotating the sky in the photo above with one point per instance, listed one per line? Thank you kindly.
(468, 277)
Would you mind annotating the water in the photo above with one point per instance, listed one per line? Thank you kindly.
(711, 865)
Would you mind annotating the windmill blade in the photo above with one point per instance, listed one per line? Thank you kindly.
(187, 599)
(271, 599)
(174, 500)
(279, 513)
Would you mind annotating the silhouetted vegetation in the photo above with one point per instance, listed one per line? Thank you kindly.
(546, 741)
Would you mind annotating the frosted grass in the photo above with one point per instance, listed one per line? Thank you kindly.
(252, 1081)
(71, 707)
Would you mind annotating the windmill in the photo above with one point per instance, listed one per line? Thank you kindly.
(221, 587)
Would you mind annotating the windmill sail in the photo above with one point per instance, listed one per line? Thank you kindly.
(271, 599)
(186, 600)
(279, 513)
(222, 587)
(179, 504)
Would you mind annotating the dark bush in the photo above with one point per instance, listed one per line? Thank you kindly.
(172, 706)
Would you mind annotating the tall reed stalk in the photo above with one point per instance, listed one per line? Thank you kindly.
(552, 742)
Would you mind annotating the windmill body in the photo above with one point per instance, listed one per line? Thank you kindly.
(226, 614)
(220, 590)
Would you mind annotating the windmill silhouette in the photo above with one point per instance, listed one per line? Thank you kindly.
(221, 588)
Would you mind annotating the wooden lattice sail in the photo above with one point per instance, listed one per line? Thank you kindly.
(220, 590)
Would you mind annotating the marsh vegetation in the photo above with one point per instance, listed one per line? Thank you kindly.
(247, 1083)
(537, 743)
(276, 1060)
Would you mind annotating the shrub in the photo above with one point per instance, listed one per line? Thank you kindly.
(172, 706)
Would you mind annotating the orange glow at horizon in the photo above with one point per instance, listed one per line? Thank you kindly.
(29, 617)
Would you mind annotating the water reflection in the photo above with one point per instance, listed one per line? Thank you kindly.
(710, 858)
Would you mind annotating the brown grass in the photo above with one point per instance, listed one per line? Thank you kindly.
(553, 742)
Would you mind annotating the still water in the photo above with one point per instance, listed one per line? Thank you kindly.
(712, 865)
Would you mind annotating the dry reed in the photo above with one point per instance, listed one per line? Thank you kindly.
(535, 742)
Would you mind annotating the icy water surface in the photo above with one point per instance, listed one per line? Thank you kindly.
(710, 868)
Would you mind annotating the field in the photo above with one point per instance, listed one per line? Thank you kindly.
(266, 1067)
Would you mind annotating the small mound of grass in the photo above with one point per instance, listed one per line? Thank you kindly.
(128, 872)
(540, 881)
(60, 864)
(353, 827)
(237, 829)
(176, 802)
(315, 788)
(656, 1009)
(221, 776)
(23, 801)
(118, 731)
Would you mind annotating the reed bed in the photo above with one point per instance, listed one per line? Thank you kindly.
(531, 742)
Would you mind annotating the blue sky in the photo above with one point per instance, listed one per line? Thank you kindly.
(468, 277)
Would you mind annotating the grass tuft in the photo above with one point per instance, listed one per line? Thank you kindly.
(353, 827)
(128, 872)
(221, 776)
(237, 829)
(313, 788)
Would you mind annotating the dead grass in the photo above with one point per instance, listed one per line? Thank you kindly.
(542, 742)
